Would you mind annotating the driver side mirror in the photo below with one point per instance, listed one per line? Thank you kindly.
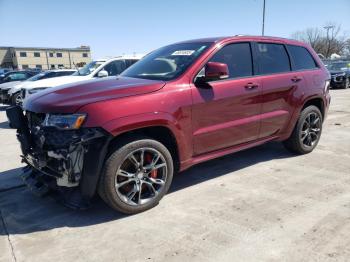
(102, 73)
(216, 71)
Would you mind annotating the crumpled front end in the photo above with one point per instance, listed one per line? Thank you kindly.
(68, 161)
(4, 96)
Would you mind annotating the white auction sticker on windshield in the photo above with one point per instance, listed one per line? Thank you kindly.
(183, 52)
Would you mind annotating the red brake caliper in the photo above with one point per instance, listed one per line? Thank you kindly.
(154, 173)
(148, 158)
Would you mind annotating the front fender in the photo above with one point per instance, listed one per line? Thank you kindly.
(14, 90)
(126, 124)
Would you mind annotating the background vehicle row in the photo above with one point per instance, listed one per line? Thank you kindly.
(52, 78)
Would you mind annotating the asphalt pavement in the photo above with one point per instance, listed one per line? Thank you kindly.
(261, 204)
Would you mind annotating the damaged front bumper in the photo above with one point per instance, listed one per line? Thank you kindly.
(68, 161)
(4, 96)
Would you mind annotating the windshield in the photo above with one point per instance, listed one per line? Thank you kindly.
(88, 69)
(339, 66)
(166, 63)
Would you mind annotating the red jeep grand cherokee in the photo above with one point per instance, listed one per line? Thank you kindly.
(182, 104)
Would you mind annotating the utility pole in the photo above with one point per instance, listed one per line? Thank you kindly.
(47, 61)
(328, 27)
(263, 21)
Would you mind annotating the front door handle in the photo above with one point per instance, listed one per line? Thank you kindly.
(296, 79)
(251, 86)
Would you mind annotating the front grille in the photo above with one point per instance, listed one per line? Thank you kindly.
(4, 94)
(35, 119)
(61, 138)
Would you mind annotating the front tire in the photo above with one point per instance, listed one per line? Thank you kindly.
(16, 99)
(137, 174)
(307, 131)
(347, 83)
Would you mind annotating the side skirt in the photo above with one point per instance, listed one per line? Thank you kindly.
(222, 152)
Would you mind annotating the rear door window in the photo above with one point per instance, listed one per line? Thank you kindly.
(120, 66)
(301, 58)
(130, 62)
(272, 58)
(115, 67)
(48, 75)
(64, 73)
(238, 58)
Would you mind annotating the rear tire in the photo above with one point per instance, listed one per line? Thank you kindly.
(307, 131)
(137, 174)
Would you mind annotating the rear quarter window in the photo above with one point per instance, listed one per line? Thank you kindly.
(272, 58)
(301, 58)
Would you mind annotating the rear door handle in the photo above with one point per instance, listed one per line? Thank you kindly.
(251, 86)
(296, 79)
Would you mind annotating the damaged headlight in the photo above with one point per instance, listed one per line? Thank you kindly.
(68, 122)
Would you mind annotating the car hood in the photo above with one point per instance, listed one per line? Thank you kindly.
(16, 88)
(69, 98)
(335, 72)
(9, 85)
(54, 81)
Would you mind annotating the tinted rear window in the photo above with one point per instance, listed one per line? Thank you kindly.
(273, 58)
(301, 57)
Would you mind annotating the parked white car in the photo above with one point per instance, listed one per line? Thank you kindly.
(97, 68)
(11, 90)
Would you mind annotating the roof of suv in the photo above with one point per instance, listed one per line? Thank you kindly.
(136, 57)
(103, 60)
(21, 71)
(61, 70)
(243, 37)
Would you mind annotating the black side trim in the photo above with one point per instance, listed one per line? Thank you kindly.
(93, 163)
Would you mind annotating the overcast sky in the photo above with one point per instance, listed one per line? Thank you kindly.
(123, 27)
